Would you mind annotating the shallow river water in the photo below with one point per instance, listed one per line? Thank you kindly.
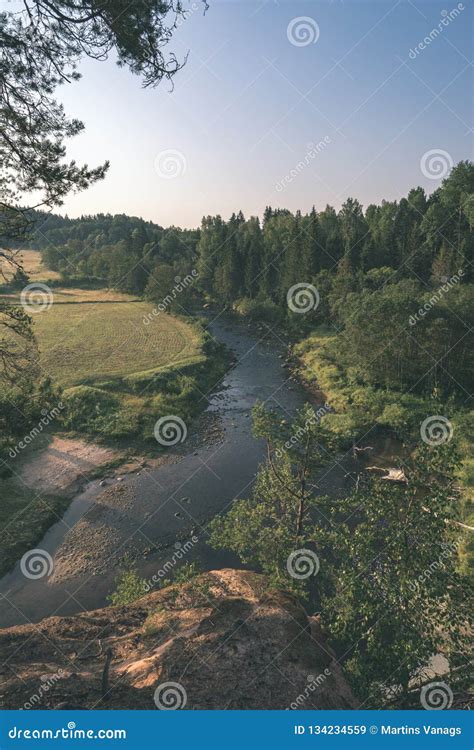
(140, 519)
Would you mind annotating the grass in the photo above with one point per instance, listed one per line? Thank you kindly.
(91, 342)
(357, 406)
(62, 296)
(91, 335)
(32, 265)
(24, 519)
(120, 365)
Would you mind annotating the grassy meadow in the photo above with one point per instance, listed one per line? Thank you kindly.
(33, 266)
(120, 367)
(93, 341)
(116, 363)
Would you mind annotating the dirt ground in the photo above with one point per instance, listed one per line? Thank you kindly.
(63, 463)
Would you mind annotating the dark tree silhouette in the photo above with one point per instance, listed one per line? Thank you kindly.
(41, 46)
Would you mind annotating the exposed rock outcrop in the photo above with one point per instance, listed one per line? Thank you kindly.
(226, 639)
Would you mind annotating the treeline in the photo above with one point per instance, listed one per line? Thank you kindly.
(426, 238)
(124, 252)
(423, 238)
(395, 279)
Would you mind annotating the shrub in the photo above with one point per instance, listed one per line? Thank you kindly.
(87, 408)
(129, 587)
(261, 309)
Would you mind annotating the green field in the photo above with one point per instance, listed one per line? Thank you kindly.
(88, 342)
(32, 263)
(119, 368)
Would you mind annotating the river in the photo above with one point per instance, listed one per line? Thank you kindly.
(153, 516)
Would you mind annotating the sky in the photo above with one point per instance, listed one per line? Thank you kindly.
(264, 84)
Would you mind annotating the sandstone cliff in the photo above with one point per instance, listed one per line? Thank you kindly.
(224, 640)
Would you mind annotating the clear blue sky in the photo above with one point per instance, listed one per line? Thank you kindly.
(249, 102)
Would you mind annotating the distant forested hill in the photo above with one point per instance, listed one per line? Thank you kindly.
(122, 251)
(249, 261)
(367, 273)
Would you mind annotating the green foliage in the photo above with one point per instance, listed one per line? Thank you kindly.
(258, 309)
(277, 519)
(396, 597)
(129, 587)
(41, 46)
(124, 252)
(22, 409)
(388, 588)
(391, 344)
(372, 270)
(87, 408)
(187, 572)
